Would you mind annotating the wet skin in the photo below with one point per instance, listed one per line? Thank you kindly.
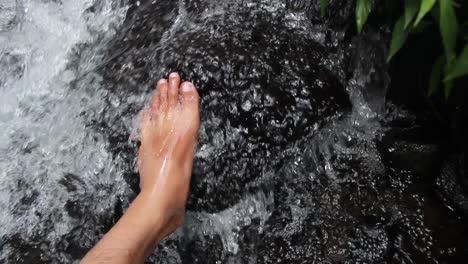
(169, 130)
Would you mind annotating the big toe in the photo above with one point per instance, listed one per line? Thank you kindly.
(189, 96)
(189, 105)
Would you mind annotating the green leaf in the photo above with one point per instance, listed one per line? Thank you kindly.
(399, 36)
(363, 8)
(448, 27)
(436, 75)
(461, 66)
(426, 6)
(323, 6)
(411, 7)
(449, 63)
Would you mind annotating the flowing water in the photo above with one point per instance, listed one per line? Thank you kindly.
(300, 157)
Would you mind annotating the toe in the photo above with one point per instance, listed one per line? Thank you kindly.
(145, 122)
(190, 109)
(173, 92)
(155, 100)
(162, 92)
(189, 95)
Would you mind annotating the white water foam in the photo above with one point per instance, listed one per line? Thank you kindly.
(43, 136)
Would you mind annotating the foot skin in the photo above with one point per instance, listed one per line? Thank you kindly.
(169, 131)
(168, 136)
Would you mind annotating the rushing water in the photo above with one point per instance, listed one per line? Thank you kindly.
(300, 159)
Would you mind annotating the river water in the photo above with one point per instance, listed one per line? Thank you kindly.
(300, 157)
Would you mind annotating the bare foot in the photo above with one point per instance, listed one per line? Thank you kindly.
(169, 131)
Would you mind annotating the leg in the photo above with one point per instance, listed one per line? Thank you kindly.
(168, 137)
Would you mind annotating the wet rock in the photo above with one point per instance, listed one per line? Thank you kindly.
(420, 158)
(261, 83)
(452, 183)
(297, 162)
(13, 66)
(9, 14)
(370, 75)
(31, 250)
(72, 183)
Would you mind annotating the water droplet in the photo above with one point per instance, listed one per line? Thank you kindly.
(247, 106)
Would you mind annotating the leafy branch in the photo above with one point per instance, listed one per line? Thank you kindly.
(448, 66)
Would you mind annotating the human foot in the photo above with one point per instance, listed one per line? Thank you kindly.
(168, 137)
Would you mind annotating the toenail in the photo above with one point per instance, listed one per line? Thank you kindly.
(173, 74)
(187, 87)
(162, 81)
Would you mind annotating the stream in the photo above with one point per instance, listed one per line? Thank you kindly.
(301, 158)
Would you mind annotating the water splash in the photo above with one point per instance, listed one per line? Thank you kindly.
(43, 138)
(291, 167)
(228, 223)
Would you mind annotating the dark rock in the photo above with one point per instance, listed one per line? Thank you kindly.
(451, 183)
(261, 83)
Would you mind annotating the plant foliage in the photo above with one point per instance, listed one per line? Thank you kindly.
(363, 8)
(448, 66)
(425, 7)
